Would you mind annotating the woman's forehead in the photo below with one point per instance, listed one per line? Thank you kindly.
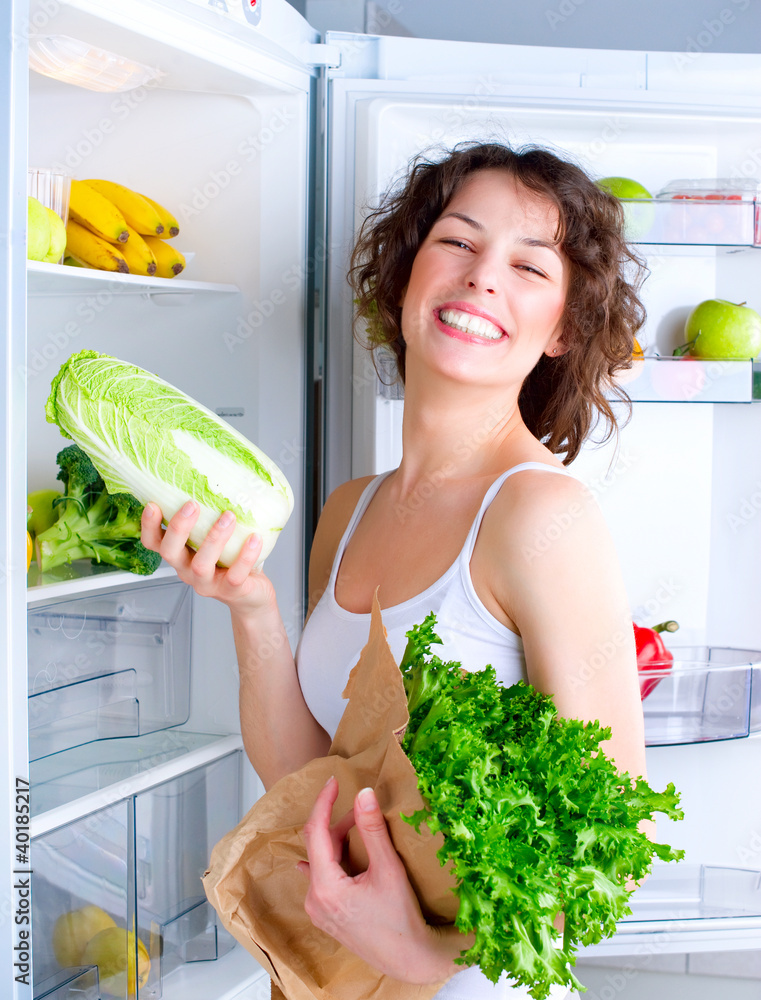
(494, 192)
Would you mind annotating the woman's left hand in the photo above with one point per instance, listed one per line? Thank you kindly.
(375, 914)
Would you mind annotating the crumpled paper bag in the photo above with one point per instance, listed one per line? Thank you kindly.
(253, 882)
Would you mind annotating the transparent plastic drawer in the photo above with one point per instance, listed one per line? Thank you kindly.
(678, 892)
(708, 693)
(690, 222)
(108, 665)
(118, 899)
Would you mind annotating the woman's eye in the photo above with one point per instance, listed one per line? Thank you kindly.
(456, 243)
(533, 270)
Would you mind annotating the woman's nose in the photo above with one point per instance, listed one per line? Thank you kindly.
(482, 276)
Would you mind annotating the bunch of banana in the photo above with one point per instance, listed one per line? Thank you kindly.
(116, 229)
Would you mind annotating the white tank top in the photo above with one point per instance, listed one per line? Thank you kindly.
(333, 639)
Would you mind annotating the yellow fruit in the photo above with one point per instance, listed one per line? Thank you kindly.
(171, 225)
(138, 254)
(113, 951)
(74, 930)
(139, 213)
(89, 249)
(637, 352)
(42, 513)
(169, 262)
(57, 237)
(29, 550)
(37, 229)
(90, 209)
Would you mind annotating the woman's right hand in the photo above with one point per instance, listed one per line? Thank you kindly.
(239, 587)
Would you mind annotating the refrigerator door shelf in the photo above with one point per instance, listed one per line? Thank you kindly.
(61, 279)
(690, 223)
(710, 693)
(682, 908)
(689, 380)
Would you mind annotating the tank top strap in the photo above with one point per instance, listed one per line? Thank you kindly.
(362, 504)
(496, 486)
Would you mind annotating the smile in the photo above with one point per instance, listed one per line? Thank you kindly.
(466, 322)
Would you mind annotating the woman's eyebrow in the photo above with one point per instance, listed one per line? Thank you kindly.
(534, 241)
(463, 218)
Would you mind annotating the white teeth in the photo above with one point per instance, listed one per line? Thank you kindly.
(468, 323)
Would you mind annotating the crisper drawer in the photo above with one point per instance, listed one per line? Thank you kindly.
(118, 899)
(108, 665)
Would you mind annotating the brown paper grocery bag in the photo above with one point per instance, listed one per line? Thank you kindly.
(253, 882)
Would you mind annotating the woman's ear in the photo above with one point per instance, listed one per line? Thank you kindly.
(554, 350)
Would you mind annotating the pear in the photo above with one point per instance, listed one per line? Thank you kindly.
(73, 931)
(113, 951)
(38, 230)
(57, 237)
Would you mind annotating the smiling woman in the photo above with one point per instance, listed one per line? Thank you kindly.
(562, 396)
(497, 279)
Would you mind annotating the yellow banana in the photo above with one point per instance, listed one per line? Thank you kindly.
(140, 214)
(84, 246)
(138, 254)
(169, 262)
(171, 225)
(90, 209)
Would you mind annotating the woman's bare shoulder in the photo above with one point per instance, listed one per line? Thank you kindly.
(332, 523)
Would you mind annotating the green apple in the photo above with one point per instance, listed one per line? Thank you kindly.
(57, 237)
(37, 229)
(638, 219)
(726, 330)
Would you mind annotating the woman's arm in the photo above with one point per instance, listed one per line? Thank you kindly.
(279, 732)
(550, 564)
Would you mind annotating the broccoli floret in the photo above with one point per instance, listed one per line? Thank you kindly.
(93, 523)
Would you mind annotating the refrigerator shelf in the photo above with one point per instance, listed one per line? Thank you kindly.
(691, 380)
(59, 279)
(136, 862)
(710, 693)
(82, 577)
(683, 907)
(667, 222)
(108, 664)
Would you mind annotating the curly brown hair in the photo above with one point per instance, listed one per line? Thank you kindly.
(562, 397)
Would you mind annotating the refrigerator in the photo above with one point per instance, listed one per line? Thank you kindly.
(122, 753)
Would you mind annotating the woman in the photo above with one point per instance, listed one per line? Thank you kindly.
(496, 278)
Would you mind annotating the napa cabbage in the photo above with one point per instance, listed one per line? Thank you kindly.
(149, 439)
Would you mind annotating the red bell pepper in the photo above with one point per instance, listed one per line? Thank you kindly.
(652, 655)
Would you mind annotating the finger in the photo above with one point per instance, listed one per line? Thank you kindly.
(210, 550)
(373, 830)
(243, 566)
(303, 867)
(174, 543)
(151, 534)
(341, 829)
(317, 834)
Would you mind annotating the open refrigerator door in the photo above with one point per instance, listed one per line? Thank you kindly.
(679, 488)
(134, 750)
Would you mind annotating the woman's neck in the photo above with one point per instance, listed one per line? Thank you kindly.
(456, 432)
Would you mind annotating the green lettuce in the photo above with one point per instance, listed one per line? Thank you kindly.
(149, 439)
(536, 819)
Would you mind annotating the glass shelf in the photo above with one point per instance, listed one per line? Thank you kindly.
(81, 576)
(60, 279)
(675, 222)
(691, 380)
(710, 693)
(683, 907)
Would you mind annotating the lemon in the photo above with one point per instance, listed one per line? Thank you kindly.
(73, 930)
(43, 514)
(113, 951)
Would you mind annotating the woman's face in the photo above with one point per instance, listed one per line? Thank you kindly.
(488, 287)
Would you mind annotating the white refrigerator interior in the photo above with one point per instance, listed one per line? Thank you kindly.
(126, 715)
(680, 487)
